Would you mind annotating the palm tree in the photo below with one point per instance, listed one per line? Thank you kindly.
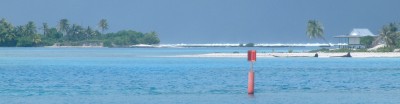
(389, 35)
(76, 32)
(6, 31)
(3, 30)
(315, 30)
(89, 32)
(45, 29)
(19, 31)
(30, 28)
(103, 25)
(63, 26)
(36, 39)
(10, 35)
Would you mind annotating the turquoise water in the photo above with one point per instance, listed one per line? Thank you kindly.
(134, 75)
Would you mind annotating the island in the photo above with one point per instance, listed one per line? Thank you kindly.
(67, 35)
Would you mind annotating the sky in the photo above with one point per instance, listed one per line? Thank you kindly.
(212, 21)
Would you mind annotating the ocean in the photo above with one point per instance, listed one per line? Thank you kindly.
(145, 76)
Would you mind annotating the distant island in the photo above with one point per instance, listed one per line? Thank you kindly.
(65, 34)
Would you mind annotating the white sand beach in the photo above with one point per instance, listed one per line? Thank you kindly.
(320, 55)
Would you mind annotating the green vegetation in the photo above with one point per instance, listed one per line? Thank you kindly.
(390, 35)
(320, 50)
(66, 34)
(339, 50)
(128, 37)
(315, 30)
(241, 45)
(103, 25)
(246, 45)
(367, 41)
(385, 49)
(249, 45)
(290, 51)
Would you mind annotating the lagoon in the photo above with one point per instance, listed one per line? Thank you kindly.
(144, 75)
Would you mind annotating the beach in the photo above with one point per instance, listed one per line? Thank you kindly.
(301, 54)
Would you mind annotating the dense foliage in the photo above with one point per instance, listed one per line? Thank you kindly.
(390, 35)
(66, 34)
(249, 45)
(246, 45)
(367, 41)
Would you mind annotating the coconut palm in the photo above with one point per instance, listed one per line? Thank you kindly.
(63, 26)
(2, 30)
(75, 32)
(10, 35)
(315, 30)
(37, 39)
(89, 32)
(30, 28)
(6, 31)
(19, 31)
(103, 25)
(45, 29)
(389, 35)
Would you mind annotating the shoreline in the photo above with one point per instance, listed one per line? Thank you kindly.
(303, 54)
(74, 47)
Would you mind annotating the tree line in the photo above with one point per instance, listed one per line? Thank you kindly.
(66, 34)
(389, 35)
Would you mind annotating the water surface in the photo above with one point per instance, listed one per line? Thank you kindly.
(135, 75)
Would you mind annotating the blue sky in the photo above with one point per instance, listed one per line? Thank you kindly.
(212, 21)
